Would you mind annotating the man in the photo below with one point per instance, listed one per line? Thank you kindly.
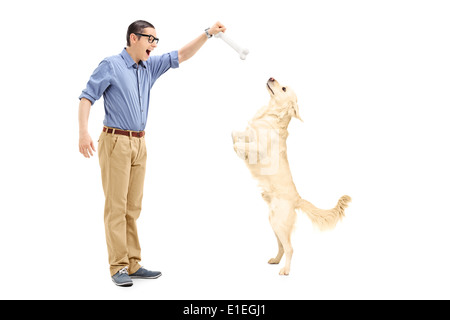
(125, 81)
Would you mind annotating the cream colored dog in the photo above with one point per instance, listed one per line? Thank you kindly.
(263, 147)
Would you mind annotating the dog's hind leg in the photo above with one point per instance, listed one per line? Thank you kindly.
(282, 220)
(280, 253)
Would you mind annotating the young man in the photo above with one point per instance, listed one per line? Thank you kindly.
(125, 81)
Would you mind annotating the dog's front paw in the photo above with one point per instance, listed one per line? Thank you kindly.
(240, 151)
(234, 135)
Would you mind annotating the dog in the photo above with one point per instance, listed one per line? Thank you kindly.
(263, 148)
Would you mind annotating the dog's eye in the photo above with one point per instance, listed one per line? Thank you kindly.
(284, 89)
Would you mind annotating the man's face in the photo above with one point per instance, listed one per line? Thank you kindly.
(142, 47)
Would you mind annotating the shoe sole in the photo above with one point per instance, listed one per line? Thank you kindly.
(139, 277)
(126, 284)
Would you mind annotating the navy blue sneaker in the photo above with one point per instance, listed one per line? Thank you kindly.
(122, 279)
(145, 274)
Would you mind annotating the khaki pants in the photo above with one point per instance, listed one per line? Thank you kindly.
(122, 161)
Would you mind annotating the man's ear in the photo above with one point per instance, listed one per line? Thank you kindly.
(133, 38)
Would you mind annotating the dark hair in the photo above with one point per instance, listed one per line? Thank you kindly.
(137, 27)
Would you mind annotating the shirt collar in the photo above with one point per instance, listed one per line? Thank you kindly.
(129, 61)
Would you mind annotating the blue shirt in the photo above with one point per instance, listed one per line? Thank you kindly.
(125, 87)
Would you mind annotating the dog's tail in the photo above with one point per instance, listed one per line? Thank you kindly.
(324, 219)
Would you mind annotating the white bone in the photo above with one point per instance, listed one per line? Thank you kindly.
(243, 52)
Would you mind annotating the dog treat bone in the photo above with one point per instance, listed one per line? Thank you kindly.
(243, 52)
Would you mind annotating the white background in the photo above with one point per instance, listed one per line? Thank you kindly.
(372, 79)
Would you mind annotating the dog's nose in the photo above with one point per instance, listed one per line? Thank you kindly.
(272, 79)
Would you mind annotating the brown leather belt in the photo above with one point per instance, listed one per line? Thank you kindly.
(136, 134)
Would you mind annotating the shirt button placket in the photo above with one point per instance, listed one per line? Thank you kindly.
(140, 99)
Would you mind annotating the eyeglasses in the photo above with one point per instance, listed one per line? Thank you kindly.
(151, 38)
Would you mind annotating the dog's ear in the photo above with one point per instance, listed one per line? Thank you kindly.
(293, 110)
